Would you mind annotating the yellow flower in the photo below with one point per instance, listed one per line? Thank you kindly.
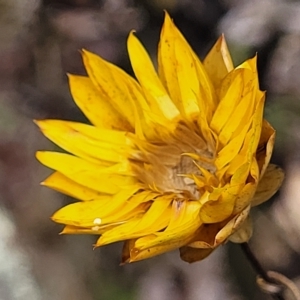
(171, 160)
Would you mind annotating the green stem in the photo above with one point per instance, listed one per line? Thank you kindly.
(259, 269)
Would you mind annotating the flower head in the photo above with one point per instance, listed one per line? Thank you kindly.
(174, 159)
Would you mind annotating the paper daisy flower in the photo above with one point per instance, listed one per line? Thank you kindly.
(172, 159)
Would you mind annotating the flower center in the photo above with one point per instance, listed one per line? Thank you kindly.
(172, 166)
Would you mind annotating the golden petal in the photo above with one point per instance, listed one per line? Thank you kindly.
(137, 254)
(183, 74)
(244, 197)
(155, 219)
(88, 142)
(70, 229)
(111, 82)
(183, 223)
(106, 210)
(231, 149)
(229, 102)
(144, 70)
(102, 179)
(218, 62)
(63, 184)
(215, 211)
(95, 105)
(232, 226)
(265, 147)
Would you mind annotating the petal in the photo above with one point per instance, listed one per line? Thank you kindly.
(229, 102)
(137, 255)
(127, 247)
(103, 211)
(205, 237)
(232, 226)
(102, 179)
(155, 219)
(183, 224)
(268, 185)
(218, 62)
(95, 105)
(249, 148)
(71, 229)
(111, 82)
(231, 149)
(67, 186)
(243, 111)
(265, 147)
(88, 142)
(214, 211)
(244, 197)
(243, 233)
(191, 255)
(185, 78)
(144, 70)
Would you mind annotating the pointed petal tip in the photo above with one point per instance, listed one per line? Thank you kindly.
(168, 24)
(167, 16)
(39, 123)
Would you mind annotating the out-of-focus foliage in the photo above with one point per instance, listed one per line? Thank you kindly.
(40, 43)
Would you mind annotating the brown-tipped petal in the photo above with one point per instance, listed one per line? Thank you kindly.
(127, 247)
(218, 62)
(265, 147)
(232, 226)
(244, 233)
(268, 185)
(191, 255)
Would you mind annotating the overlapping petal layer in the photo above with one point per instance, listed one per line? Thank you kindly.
(174, 159)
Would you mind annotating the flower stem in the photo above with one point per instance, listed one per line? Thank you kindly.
(261, 271)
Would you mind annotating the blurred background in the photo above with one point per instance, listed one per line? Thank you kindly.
(39, 43)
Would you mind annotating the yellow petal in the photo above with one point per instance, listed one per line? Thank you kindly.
(231, 149)
(155, 219)
(67, 186)
(149, 80)
(232, 226)
(106, 210)
(243, 111)
(214, 211)
(93, 176)
(244, 197)
(268, 185)
(265, 147)
(218, 62)
(183, 223)
(95, 105)
(137, 255)
(229, 102)
(183, 74)
(70, 229)
(88, 142)
(251, 141)
(111, 82)
(177, 69)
